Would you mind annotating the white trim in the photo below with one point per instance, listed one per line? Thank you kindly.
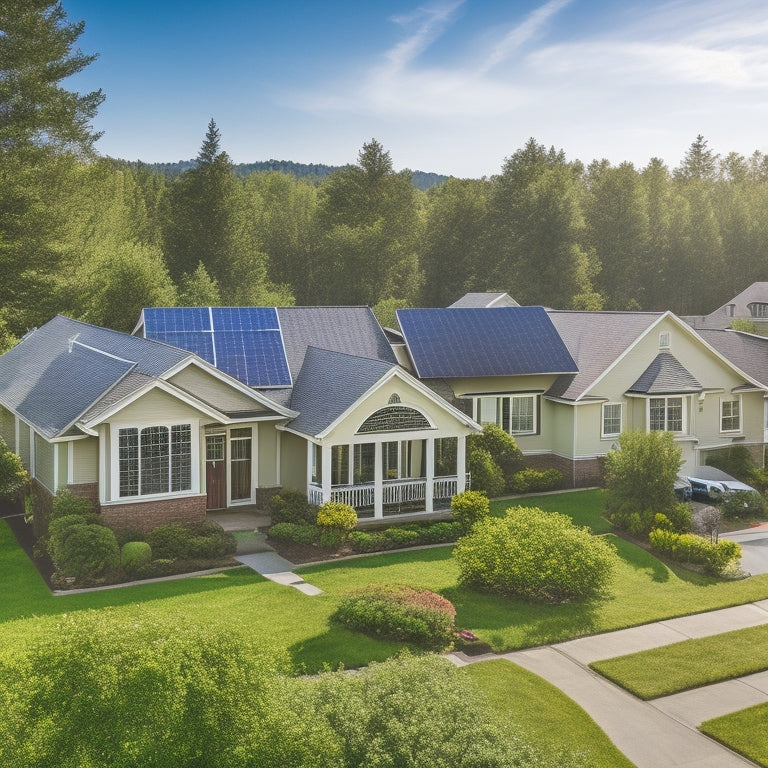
(610, 435)
(736, 399)
(32, 467)
(684, 405)
(70, 463)
(278, 458)
(55, 467)
(411, 406)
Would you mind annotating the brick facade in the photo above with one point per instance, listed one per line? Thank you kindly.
(88, 491)
(146, 515)
(577, 473)
(42, 503)
(263, 495)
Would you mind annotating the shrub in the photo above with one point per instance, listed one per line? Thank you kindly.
(469, 507)
(439, 533)
(535, 481)
(291, 506)
(124, 535)
(155, 569)
(13, 476)
(330, 538)
(502, 448)
(402, 537)
(747, 504)
(361, 541)
(169, 541)
(84, 550)
(399, 613)
(334, 514)
(65, 504)
(134, 554)
(535, 555)
(486, 473)
(689, 548)
(294, 533)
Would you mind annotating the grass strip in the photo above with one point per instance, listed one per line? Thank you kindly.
(743, 732)
(689, 664)
(545, 716)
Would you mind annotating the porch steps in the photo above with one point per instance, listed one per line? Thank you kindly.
(275, 568)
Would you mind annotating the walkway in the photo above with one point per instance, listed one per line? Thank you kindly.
(275, 568)
(754, 547)
(652, 734)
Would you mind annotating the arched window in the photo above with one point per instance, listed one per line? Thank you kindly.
(394, 418)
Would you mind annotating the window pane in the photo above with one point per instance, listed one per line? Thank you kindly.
(181, 457)
(154, 460)
(339, 465)
(489, 410)
(521, 414)
(364, 463)
(657, 414)
(675, 414)
(128, 441)
(731, 414)
(612, 419)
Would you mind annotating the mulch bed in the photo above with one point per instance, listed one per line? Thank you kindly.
(307, 553)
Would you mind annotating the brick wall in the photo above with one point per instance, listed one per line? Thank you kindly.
(263, 495)
(578, 473)
(42, 503)
(88, 491)
(146, 515)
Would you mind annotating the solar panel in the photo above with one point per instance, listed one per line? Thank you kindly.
(201, 342)
(256, 358)
(499, 341)
(244, 318)
(168, 319)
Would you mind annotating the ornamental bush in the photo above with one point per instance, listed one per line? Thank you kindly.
(13, 476)
(82, 550)
(291, 506)
(335, 514)
(468, 507)
(397, 612)
(535, 555)
(294, 533)
(716, 558)
(169, 541)
(536, 481)
(65, 504)
(502, 448)
(743, 504)
(486, 473)
(134, 554)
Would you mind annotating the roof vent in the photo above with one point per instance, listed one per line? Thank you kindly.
(71, 341)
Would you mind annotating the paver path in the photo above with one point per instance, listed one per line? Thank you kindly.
(652, 734)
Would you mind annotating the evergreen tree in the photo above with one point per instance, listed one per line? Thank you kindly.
(699, 162)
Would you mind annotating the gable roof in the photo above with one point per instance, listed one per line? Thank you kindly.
(746, 351)
(665, 376)
(471, 342)
(595, 340)
(484, 300)
(737, 307)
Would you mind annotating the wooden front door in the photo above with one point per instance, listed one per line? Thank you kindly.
(216, 471)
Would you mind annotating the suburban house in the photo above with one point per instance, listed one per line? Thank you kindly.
(207, 408)
(566, 384)
(750, 305)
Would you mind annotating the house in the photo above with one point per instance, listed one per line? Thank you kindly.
(750, 305)
(196, 412)
(566, 384)
(484, 300)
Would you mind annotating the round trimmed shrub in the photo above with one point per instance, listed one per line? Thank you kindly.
(468, 507)
(335, 514)
(535, 555)
(84, 550)
(291, 506)
(398, 612)
(134, 554)
(169, 541)
(65, 504)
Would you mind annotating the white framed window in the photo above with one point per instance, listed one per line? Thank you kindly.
(515, 414)
(611, 421)
(666, 414)
(664, 340)
(154, 460)
(730, 415)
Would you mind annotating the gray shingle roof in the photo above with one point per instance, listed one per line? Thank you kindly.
(350, 330)
(64, 368)
(737, 307)
(666, 376)
(484, 300)
(329, 383)
(595, 340)
(747, 352)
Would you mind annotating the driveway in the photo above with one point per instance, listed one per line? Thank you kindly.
(754, 548)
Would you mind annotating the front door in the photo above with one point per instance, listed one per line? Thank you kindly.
(240, 464)
(216, 471)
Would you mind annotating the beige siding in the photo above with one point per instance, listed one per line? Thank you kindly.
(8, 428)
(267, 454)
(156, 407)
(44, 462)
(63, 462)
(23, 447)
(293, 454)
(562, 428)
(217, 393)
(86, 460)
(589, 442)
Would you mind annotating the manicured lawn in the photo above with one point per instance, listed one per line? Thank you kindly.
(743, 732)
(547, 717)
(689, 664)
(583, 507)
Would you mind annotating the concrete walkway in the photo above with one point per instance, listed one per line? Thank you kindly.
(652, 734)
(275, 568)
(754, 547)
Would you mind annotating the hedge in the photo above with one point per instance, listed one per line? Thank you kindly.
(689, 548)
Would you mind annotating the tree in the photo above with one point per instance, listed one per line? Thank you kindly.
(37, 52)
(197, 289)
(13, 476)
(699, 162)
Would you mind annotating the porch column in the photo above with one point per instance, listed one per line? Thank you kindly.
(461, 464)
(378, 482)
(310, 462)
(326, 450)
(430, 489)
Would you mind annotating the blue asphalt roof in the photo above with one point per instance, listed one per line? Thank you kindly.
(465, 342)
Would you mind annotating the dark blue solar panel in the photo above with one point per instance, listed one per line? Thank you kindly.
(502, 341)
(169, 319)
(201, 343)
(244, 318)
(257, 359)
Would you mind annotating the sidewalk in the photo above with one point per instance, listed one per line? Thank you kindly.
(652, 734)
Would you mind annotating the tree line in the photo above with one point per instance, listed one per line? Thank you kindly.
(98, 238)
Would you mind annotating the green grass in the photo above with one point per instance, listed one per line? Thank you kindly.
(547, 717)
(583, 507)
(743, 732)
(689, 664)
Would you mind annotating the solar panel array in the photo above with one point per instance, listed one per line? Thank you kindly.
(245, 342)
(500, 341)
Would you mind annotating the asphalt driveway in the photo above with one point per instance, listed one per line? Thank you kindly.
(754, 548)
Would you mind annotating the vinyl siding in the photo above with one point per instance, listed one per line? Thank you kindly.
(44, 462)
(23, 447)
(86, 460)
(155, 407)
(267, 454)
(293, 454)
(211, 390)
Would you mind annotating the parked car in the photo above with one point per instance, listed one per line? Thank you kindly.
(683, 489)
(712, 484)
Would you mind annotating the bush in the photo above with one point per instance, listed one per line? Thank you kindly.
(201, 541)
(83, 550)
(440, 533)
(361, 541)
(468, 507)
(399, 613)
(65, 504)
(536, 481)
(334, 514)
(535, 555)
(134, 554)
(13, 476)
(401, 537)
(155, 569)
(124, 535)
(290, 506)
(689, 548)
(743, 504)
(169, 541)
(735, 460)
(294, 533)
(502, 448)
(486, 473)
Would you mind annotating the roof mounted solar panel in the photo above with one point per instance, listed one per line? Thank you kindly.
(170, 319)
(244, 319)
(256, 358)
(199, 342)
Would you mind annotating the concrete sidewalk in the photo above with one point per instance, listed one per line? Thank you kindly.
(660, 733)
(275, 568)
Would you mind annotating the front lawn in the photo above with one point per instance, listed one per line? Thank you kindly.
(743, 732)
(547, 717)
(689, 664)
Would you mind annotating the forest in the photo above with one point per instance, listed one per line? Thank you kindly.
(98, 238)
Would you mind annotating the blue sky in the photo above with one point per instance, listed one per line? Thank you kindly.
(451, 86)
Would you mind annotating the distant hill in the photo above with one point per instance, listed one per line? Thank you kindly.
(421, 179)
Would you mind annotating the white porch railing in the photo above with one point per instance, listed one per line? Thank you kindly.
(405, 491)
